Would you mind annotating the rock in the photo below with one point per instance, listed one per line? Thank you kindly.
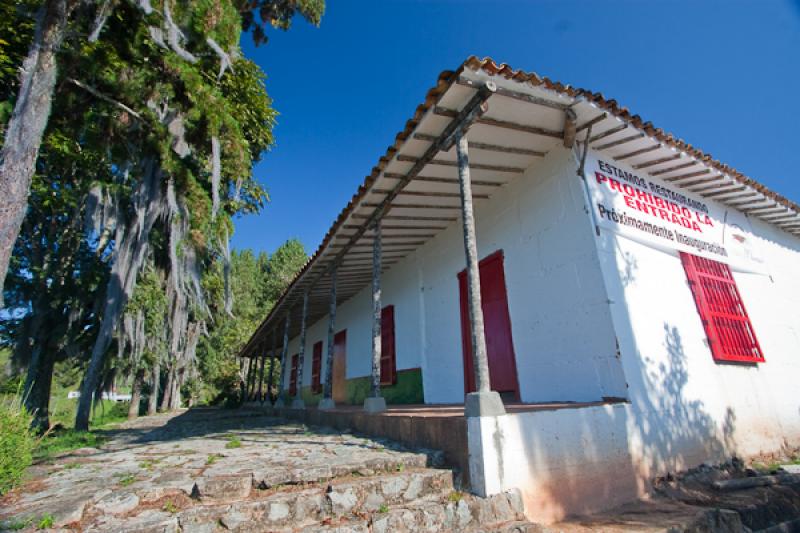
(791, 469)
(342, 502)
(119, 503)
(278, 512)
(233, 520)
(83, 452)
(223, 488)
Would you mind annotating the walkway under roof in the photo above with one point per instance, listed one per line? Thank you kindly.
(416, 187)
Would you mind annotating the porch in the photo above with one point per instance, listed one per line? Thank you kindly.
(435, 427)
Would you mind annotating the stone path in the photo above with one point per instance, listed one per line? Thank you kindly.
(210, 470)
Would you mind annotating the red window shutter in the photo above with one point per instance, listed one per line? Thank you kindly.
(293, 375)
(316, 367)
(730, 333)
(388, 358)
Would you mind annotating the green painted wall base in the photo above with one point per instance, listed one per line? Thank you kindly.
(407, 390)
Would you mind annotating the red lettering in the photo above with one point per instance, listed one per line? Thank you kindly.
(614, 185)
(600, 178)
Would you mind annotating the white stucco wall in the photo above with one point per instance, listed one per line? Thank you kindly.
(692, 403)
(553, 283)
(684, 408)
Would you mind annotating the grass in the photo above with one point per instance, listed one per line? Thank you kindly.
(65, 440)
(383, 509)
(170, 507)
(233, 442)
(127, 479)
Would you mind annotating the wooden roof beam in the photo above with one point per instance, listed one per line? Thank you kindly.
(599, 118)
(654, 162)
(673, 168)
(476, 166)
(409, 217)
(624, 140)
(473, 145)
(570, 127)
(687, 176)
(453, 181)
(516, 95)
(607, 133)
(637, 152)
(429, 194)
(486, 121)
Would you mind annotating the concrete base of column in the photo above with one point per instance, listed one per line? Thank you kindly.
(374, 405)
(298, 403)
(326, 404)
(483, 404)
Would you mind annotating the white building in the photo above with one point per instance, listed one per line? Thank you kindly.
(654, 298)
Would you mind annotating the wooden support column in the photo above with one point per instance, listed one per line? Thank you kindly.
(484, 402)
(244, 370)
(570, 127)
(279, 401)
(298, 402)
(253, 376)
(272, 365)
(327, 392)
(261, 373)
(248, 379)
(375, 403)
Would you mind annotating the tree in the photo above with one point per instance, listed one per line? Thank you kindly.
(26, 127)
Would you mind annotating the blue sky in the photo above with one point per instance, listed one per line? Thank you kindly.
(722, 75)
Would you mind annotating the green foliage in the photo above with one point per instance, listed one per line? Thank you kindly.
(46, 522)
(16, 443)
(257, 281)
(233, 442)
(258, 14)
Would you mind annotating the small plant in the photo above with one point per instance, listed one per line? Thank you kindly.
(455, 496)
(233, 442)
(383, 509)
(170, 507)
(70, 466)
(127, 479)
(400, 467)
(213, 458)
(45, 522)
(149, 464)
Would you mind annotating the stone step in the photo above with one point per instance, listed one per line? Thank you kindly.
(296, 506)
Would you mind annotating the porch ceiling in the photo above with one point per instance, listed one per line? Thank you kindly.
(524, 121)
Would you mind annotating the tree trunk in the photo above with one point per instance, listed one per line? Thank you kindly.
(175, 399)
(167, 391)
(136, 394)
(155, 381)
(28, 121)
(132, 245)
(38, 395)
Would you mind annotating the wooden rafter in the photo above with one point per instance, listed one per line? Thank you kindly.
(654, 162)
(473, 145)
(624, 140)
(516, 95)
(476, 166)
(637, 152)
(505, 124)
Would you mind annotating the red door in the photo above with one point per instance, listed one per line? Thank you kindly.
(293, 375)
(497, 328)
(388, 358)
